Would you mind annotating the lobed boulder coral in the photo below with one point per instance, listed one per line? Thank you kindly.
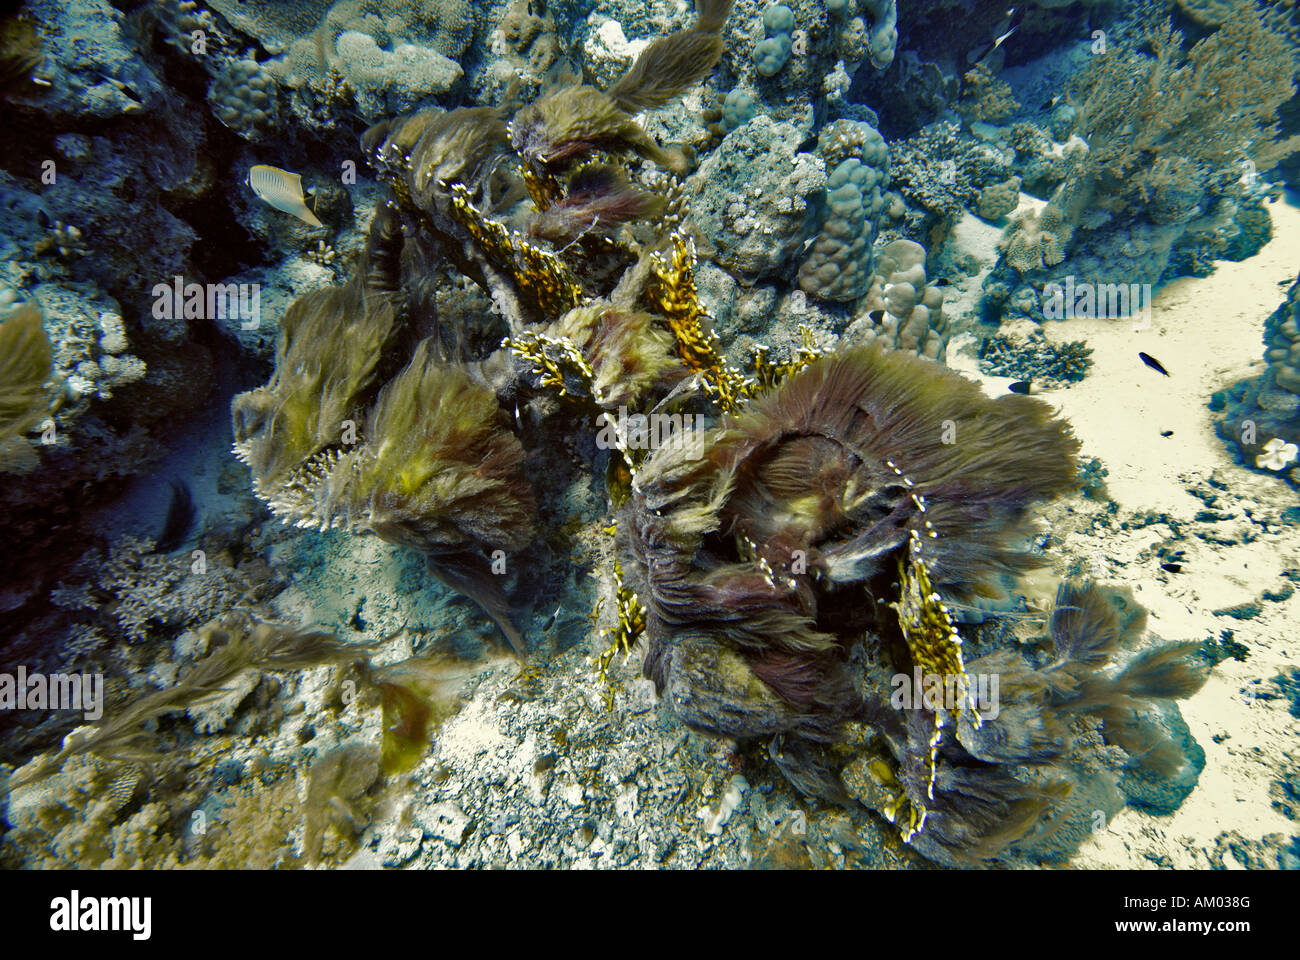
(838, 265)
(771, 54)
(244, 98)
(903, 309)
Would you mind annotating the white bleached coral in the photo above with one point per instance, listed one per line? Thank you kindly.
(1277, 454)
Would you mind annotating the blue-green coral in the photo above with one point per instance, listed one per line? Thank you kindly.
(838, 264)
(771, 54)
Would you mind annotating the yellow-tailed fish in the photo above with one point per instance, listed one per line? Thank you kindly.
(282, 190)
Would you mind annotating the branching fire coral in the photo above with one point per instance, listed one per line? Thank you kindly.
(672, 291)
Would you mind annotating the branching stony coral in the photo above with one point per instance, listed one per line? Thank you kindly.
(1036, 358)
(142, 591)
(985, 97)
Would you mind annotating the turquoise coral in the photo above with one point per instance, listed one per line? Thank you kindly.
(771, 54)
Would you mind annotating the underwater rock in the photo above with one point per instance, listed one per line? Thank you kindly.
(758, 201)
(94, 69)
(1260, 417)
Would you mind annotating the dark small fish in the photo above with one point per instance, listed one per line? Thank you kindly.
(1153, 363)
(942, 282)
(1171, 567)
(876, 315)
(1047, 105)
(1021, 386)
(1166, 433)
(180, 519)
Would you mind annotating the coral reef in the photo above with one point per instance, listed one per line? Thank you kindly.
(1260, 417)
(101, 770)
(628, 349)
(335, 439)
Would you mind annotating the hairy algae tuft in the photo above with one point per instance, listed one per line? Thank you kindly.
(25, 366)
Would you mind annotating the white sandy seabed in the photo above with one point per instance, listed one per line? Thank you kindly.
(1207, 332)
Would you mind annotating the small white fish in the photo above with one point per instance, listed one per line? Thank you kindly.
(282, 190)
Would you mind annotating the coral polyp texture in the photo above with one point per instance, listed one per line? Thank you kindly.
(597, 434)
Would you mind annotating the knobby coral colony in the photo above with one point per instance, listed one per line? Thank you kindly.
(746, 559)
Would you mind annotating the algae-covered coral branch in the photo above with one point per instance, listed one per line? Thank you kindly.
(759, 562)
(671, 64)
(813, 487)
